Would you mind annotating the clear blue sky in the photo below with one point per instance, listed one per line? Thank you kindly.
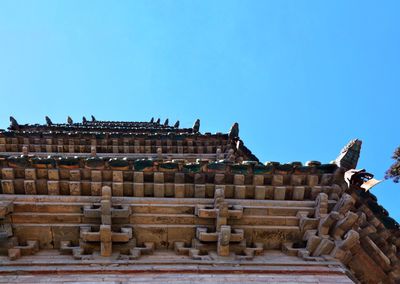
(302, 78)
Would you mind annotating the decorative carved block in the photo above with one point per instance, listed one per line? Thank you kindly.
(53, 187)
(30, 187)
(298, 192)
(138, 189)
(7, 173)
(118, 176)
(117, 189)
(238, 179)
(75, 175)
(277, 180)
(279, 192)
(240, 191)
(159, 189)
(259, 192)
(96, 176)
(200, 191)
(30, 174)
(258, 180)
(7, 186)
(53, 174)
(74, 188)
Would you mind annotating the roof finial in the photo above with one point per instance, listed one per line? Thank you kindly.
(158, 121)
(152, 120)
(196, 126)
(13, 123)
(166, 122)
(348, 157)
(48, 121)
(69, 120)
(93, 119)
(176, 125)
(234, 132)
(84, 120)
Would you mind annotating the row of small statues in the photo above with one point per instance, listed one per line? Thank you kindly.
(233, 133)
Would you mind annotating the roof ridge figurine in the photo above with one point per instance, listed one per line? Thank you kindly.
(13, 123)
(234, 132)
(48, 121)
(196, 126)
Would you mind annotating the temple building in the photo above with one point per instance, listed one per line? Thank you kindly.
(149, 202)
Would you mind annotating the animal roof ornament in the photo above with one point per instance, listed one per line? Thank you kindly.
(196, 126)
(360, 178)
(48, 121)
(13, 123)
(69, 120)
(234, 132)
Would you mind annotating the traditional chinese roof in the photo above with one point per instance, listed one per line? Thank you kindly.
(121, 137)
(139, 192)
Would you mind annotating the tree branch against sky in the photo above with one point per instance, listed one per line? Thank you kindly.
(394, 171)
